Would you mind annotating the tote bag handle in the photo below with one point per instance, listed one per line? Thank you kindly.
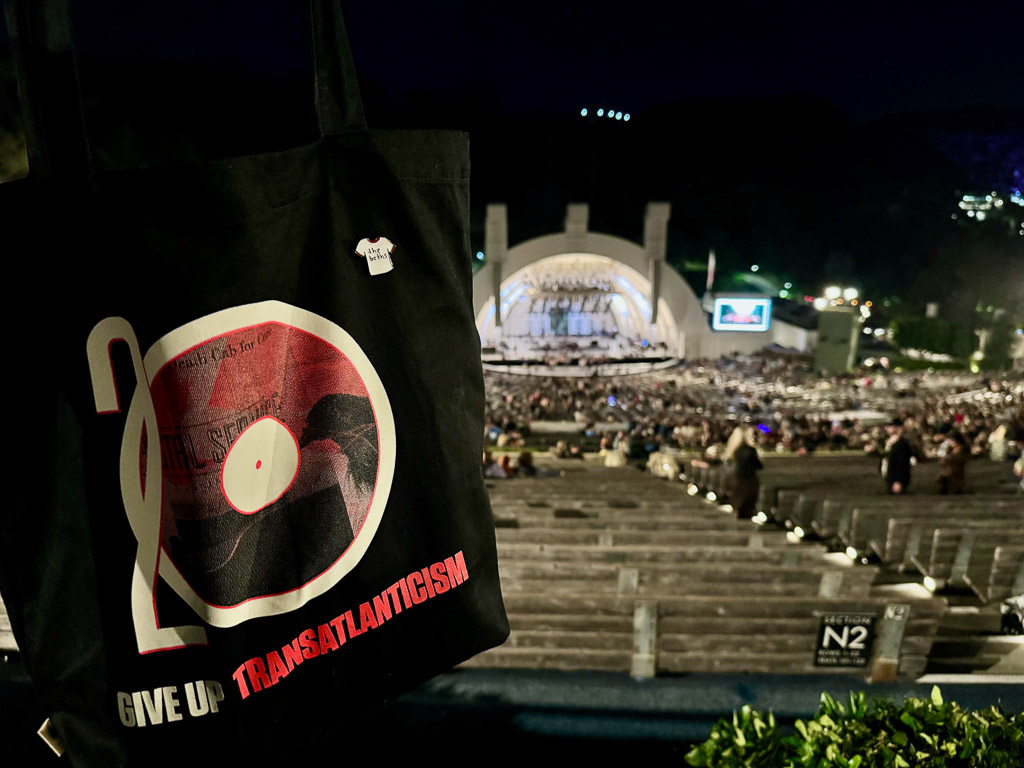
(42, 42)
(48, 88)
(339, 106)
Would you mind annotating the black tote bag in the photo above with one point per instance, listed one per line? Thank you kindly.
(249, 504)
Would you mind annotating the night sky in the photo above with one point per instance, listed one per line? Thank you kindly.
(869, 59)
(805, 137)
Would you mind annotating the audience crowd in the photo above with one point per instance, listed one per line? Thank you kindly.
(697, 406)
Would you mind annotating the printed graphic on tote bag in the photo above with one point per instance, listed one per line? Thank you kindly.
(255, 467)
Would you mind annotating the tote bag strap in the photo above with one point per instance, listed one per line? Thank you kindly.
(46, 64)
(48, 88)
(339, 106)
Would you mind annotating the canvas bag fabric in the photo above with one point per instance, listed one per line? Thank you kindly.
(249, 504)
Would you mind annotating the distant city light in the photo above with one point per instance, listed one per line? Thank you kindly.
(583, 112)
(879, 331)
(820, 303)
(783, 294)
(850, 293)
(754, 267)
(865, 312)
(480, 255)
(970, 214)
(611, 113)
(618, 115)
(600, 113)
(833, 292)
(787, 286)
(980, 215)
(853, 303)
(625, 117)
(868, 331)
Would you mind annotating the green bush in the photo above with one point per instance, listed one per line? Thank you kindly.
(929, 733)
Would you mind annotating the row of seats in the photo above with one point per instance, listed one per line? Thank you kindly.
(974, 540)
(611, 569)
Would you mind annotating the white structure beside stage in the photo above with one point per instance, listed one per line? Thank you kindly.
(644, 297)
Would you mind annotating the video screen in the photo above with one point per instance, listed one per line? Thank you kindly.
(737, 314)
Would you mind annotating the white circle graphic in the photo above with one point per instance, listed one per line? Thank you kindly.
(260, 466)
(273, 446)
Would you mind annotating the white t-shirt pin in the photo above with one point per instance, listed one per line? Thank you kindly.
(377, 252)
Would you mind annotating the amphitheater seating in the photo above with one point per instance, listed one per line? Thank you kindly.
(610, 569)
(752, 634)
(947, 555)
(1001, 577)
(868, 523)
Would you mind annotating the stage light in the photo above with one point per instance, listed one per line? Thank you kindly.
(712, 496)
(618, 115)
(799, 532)
(625, 117)
(480, 255)
(851, 553)
(929, 584)
(583, 112)
(600, 113)
(867, 331)
(611, 113)
(754, 267)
